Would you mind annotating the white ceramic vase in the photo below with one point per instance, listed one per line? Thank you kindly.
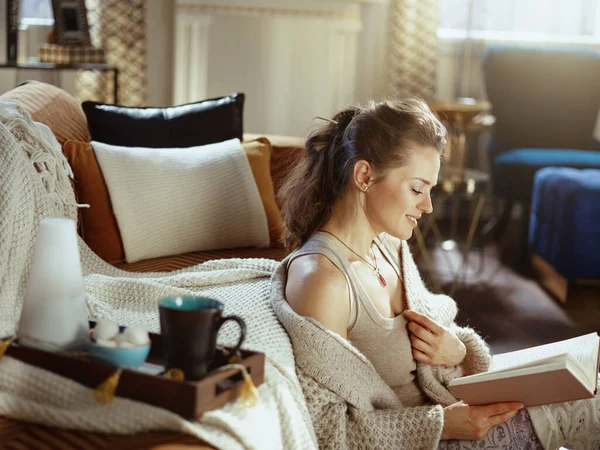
(54, 315)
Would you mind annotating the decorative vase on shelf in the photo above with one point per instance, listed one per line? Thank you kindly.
(54, 315)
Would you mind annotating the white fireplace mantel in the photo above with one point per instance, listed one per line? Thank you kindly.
(293, 59)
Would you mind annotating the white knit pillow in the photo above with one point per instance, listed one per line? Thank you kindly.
(178, 200)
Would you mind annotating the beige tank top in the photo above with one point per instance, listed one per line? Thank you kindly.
(384, 341)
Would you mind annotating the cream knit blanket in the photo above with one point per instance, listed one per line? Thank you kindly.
(34, 184)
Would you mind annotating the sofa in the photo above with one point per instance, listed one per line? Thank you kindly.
(63, 114)
(60, 111)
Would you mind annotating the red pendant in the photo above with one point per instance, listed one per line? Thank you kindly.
(383, 282)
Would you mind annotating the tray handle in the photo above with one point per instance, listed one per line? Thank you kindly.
(233, 381)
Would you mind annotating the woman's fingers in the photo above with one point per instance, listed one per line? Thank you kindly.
(422, 333)
(500, 412)
(421, 356)
(422, 320)
(500, 408)
(420, 345)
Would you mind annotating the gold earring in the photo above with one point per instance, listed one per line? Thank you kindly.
(365, 187)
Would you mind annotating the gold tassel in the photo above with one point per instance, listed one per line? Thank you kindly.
(4, 346)
(248, 392)
(235, 359)
(175, 374)
(105, 392)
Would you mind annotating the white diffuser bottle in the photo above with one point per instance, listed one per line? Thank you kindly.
(54, 315)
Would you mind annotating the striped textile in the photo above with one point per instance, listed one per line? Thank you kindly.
(170, 263)
(24, 436)
(60, 54)
(53, 107)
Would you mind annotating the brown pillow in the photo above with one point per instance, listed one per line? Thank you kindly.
(98, 225)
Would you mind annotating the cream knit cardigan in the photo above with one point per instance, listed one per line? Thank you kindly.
(350, 405)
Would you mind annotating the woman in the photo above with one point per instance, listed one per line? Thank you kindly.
(354, 292)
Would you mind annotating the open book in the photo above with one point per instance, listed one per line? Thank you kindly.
(551, 373)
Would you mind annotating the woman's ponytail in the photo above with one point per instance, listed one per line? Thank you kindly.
(311, 189)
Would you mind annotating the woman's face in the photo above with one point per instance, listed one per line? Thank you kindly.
(395, 203)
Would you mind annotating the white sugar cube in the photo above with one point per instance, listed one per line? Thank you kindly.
(105, 330)
(120, 338)
(137, 335)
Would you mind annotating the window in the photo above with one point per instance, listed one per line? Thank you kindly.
(557, 20)
(36, 12)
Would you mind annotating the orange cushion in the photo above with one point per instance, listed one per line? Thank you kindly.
(98, 224)
(258, 153)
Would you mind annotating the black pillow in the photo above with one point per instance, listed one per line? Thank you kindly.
(201, 123)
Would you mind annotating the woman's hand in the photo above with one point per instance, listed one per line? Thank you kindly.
(434, 344)
(462, 421)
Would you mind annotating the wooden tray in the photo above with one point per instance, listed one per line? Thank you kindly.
(189, 399)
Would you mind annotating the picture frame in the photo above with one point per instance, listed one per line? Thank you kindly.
(70, 23)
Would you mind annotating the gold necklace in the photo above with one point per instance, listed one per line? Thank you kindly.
(374, 267)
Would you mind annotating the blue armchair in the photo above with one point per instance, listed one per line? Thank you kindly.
(546, 102)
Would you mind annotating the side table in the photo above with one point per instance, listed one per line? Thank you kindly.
(454, 186)
(462, 119)
(76, 67)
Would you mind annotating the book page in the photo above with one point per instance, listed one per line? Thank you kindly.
(582, 348)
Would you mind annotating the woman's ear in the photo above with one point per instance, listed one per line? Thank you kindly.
(363, 175)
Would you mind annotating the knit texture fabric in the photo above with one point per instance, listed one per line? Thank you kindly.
(34, 183)
(170, 201)
(350, 405)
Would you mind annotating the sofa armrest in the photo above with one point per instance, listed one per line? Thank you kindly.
(286, 152)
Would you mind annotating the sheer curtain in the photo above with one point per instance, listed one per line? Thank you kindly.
(550, 23)
(412, 51)
(569, 20)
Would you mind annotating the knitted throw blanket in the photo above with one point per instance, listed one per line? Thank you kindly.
(34, 183)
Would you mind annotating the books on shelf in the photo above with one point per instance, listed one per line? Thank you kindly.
(551, 373)
(11, 9)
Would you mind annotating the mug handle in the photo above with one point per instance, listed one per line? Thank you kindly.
(242, 326)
